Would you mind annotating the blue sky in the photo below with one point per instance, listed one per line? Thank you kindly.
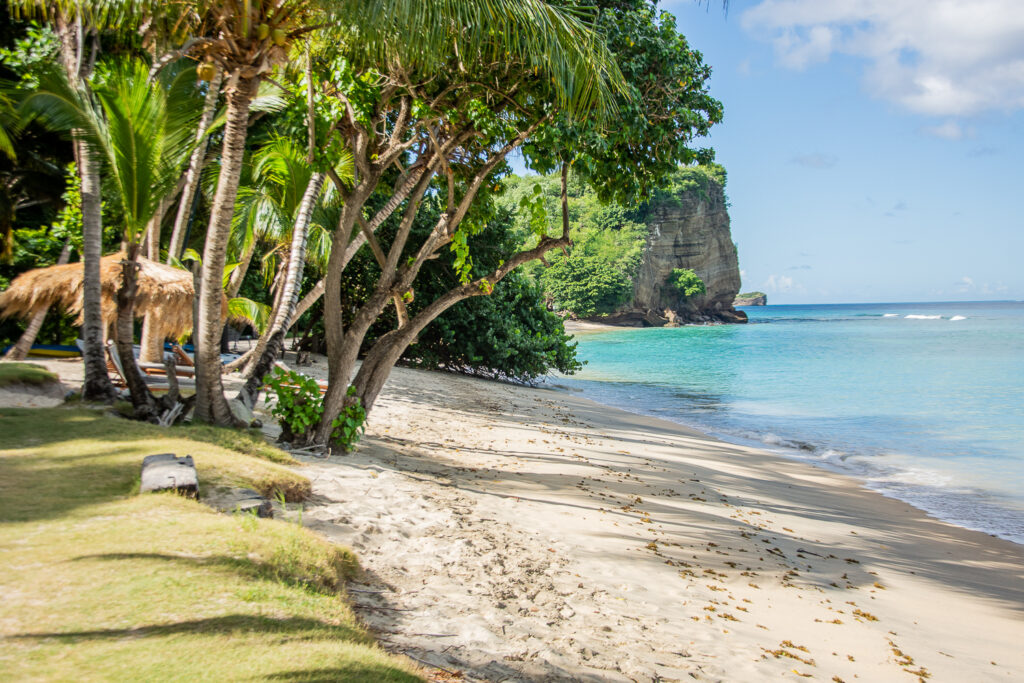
(874, 147)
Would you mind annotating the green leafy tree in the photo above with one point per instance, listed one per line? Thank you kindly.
(585, 286)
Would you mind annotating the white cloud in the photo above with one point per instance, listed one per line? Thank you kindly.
(965, 284)
(936, 57)
(776, 284)
(950, 130)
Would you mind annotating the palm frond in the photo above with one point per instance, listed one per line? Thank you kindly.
(252, 312)
(560, 42)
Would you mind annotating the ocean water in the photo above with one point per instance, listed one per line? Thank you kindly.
(922, 402)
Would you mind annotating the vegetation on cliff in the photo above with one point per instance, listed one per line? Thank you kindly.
(597, 275)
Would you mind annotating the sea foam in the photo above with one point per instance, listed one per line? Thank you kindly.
(914, 316)
(958, 317)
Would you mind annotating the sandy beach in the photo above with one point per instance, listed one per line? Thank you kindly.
(510, 533)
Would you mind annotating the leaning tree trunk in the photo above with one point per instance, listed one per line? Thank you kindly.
(274, 347)
(28, 337)
(211, 405)
(195, 167)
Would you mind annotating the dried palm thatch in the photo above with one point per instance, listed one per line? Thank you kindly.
(164, 291)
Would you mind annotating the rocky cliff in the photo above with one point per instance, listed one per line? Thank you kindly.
(687, 230)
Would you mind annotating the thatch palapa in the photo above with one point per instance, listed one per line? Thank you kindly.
(162, 290)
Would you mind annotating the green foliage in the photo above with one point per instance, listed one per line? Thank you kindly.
(297, 403)
(298, 406)
(348, 427)
(660, 114)
(686, 179)
(32, 51)
(585, 285)
(750, 295)
(687, 282)
(509, 334)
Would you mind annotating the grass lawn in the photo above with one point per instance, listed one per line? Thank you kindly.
(98, 582)
(24, 373)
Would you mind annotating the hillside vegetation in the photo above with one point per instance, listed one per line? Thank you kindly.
(597, 276)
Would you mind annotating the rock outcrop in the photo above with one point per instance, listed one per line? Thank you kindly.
(751, 299)
(689, 230)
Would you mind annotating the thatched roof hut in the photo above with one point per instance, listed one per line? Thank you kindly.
(163, 290)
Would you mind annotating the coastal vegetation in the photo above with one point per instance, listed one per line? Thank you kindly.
(345, 181)
(608, 238)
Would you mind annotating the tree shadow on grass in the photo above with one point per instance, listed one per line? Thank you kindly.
(36, 487)
(247, 567)
(240, 625)
(355, 672)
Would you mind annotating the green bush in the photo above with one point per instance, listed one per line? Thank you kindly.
(298, 406)
(296, 402)
(687, 282)
(509, 334)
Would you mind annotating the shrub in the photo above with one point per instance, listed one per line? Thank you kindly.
(298, 406)
(687, 282)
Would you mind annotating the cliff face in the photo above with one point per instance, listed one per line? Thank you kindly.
(690, 230)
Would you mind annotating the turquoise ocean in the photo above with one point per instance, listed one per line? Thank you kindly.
(923, 402)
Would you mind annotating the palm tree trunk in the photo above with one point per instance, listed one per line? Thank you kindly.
(97, 386)
(211, 405)
(28, 337)
(289, 294)
(238, 274)
(195, 167)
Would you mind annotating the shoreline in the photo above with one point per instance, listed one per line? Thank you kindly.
(789, 451)
(553, 536)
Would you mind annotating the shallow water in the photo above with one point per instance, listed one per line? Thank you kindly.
(924, 402)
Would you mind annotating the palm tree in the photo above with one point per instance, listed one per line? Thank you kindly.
(142, 133)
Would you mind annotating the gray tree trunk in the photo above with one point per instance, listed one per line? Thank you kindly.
(97, 386)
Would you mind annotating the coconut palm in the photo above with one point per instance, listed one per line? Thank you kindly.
(142, 133)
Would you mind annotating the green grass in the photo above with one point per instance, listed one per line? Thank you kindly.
(101, 583)
(24, 373)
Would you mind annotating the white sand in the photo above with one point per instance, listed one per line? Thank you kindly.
(512, 533)
(528, 534)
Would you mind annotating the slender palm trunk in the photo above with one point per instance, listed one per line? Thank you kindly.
(28, 337)
(238, 274)
(211, 405)
(289, 293)
(195, 167)
(97, 386)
